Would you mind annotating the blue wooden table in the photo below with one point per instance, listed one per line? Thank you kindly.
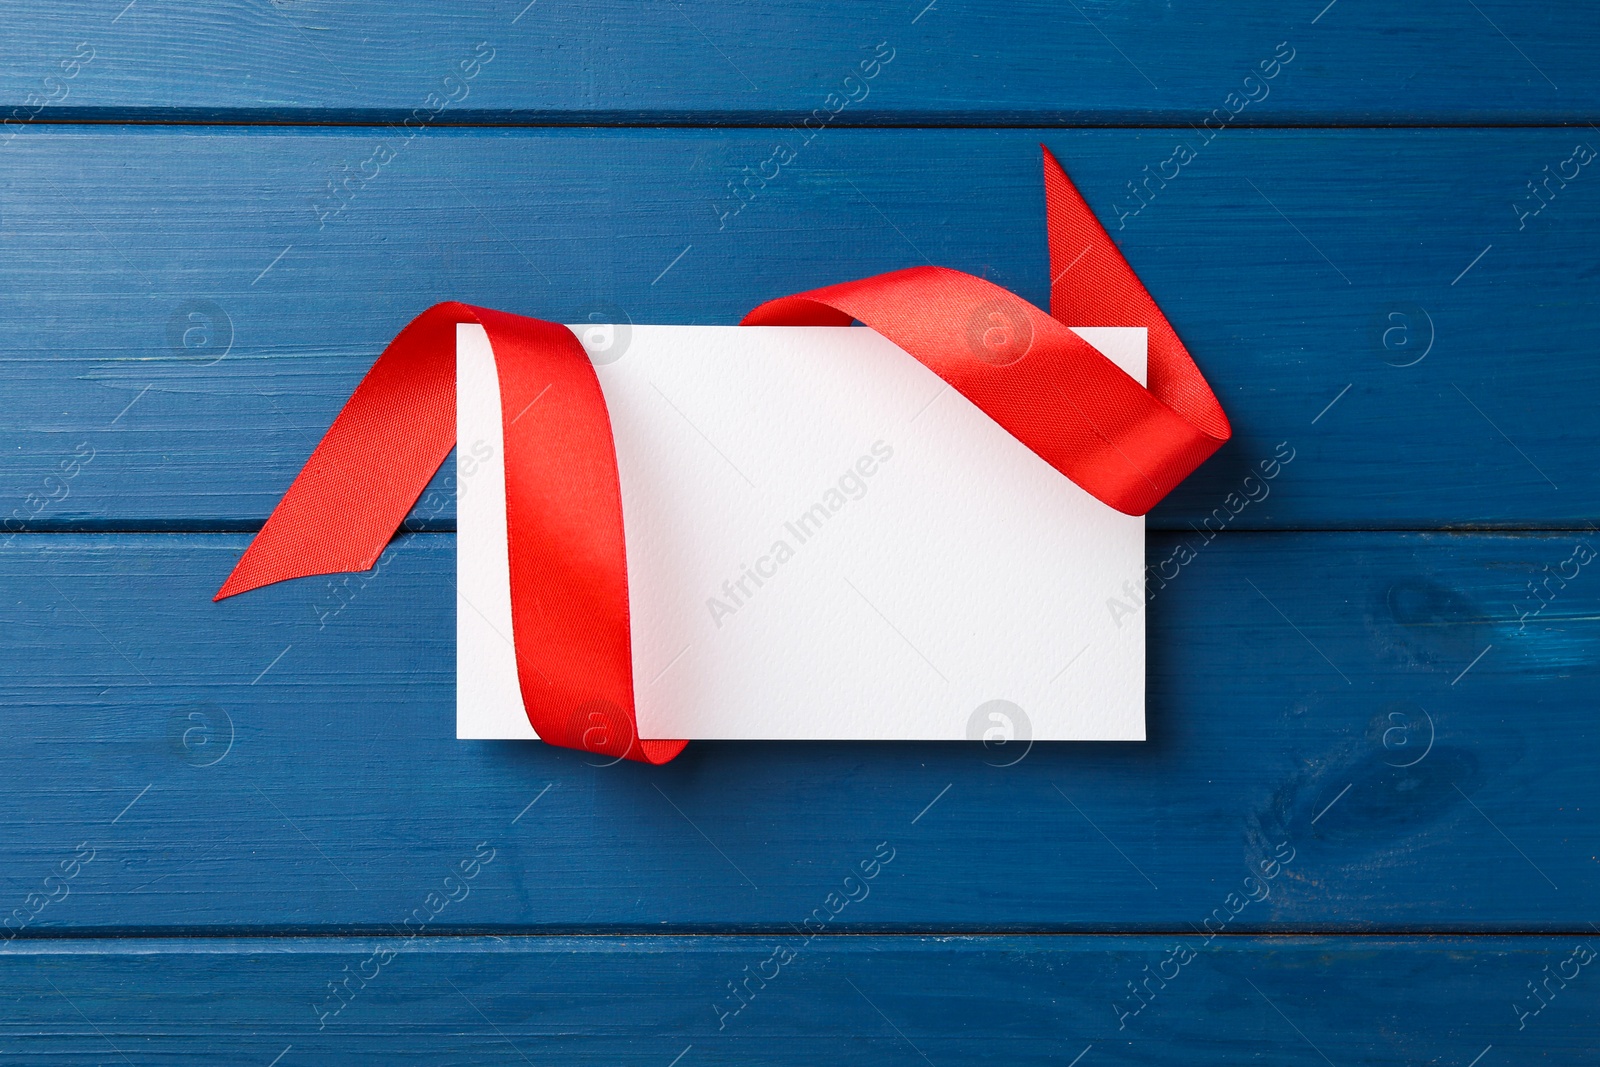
(1364, 829)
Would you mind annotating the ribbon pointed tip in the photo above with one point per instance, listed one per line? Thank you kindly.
(232, 587)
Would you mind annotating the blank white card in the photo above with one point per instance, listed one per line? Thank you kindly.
(825, 542)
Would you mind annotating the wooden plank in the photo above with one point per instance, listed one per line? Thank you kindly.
(1033, 62)
(1364, 713)
(849, 1000)
(1366, 299)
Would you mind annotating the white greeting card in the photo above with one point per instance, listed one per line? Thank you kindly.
(824, 542)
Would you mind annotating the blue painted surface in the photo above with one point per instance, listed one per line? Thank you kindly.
(299, 752)
(853, 1000)
(190, 278)
(1023, 62)
(1371, 749)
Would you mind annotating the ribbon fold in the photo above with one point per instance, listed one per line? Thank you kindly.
(1128, 445)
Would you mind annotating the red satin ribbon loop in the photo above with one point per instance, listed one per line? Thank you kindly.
(1127, 444)
(569, 574)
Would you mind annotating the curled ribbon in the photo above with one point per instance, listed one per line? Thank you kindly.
(1127, 444)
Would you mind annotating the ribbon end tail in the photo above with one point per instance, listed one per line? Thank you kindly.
(256, 569)
(1056, 183)
(244, 577)
(1074, 234)
(240, 579)
(1050, 158)
(368, 470)
(235, 585)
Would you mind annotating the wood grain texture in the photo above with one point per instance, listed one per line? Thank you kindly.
(286, 761)
(1383, 737)
(176, 305)
(839, 1000)
(1094, 61)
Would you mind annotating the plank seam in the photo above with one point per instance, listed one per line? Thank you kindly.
(112, 529)
(754, 932)
(712, 121)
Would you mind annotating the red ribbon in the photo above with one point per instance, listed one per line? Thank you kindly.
(1126, 444)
